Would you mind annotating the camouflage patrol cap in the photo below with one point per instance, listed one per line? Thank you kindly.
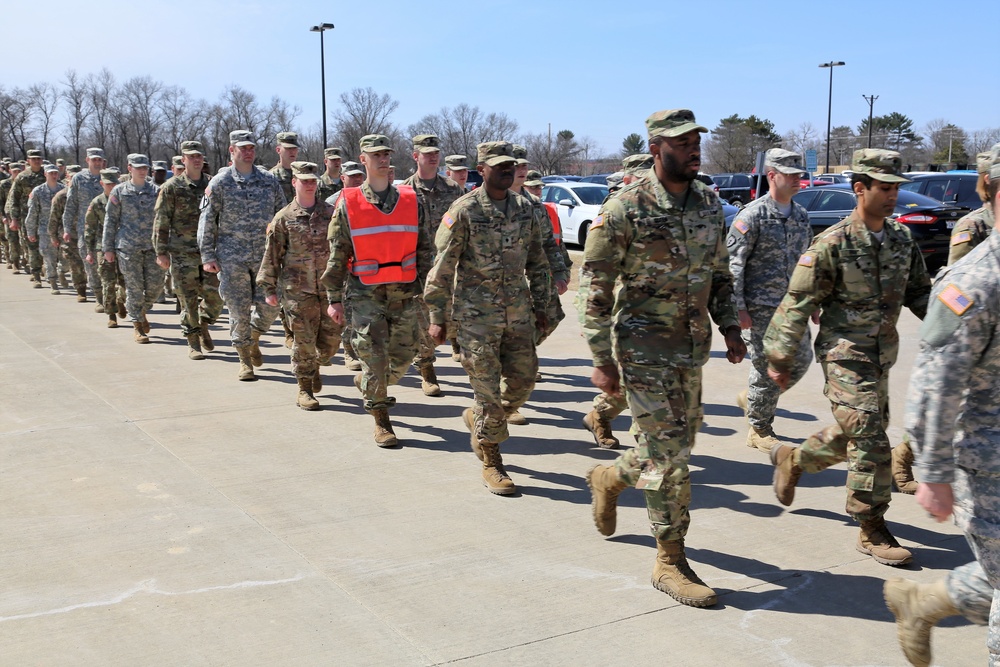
(288, 139)
(427, 143)
(95, 152)
(6, 160)
(159, 165)
(352, 169)
(50, 168)
(983, 162)
(34, 153)
(241, 138)
(878, 163)
(21, 164)
(534, 179)
(61, 162)
(138, 160)
(636, 163)
(456, 162)
(994, 168)
(177, 161)
(375, 143)
(492, 153)
(672, 123)
(615, 181)
(520, 154)
(333, 153)
(110, 175)
(192, 148)
(305, 171)
(786, 162)
(74, 169)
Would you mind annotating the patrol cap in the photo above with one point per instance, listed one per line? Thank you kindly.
(520, 154)
(192, 148)
(241, 138)
(21, 164)
(95, 152)
(34, 153)
(492, 153)
(110, 175)
(534, 179)
(61, 162)
(374, 143)
(74, 169)
(177, 161)
(457, 162)
(786, 162)
(305, 171)
(994, 168)
(138, 160)
(333, 153)
(615, 180)
(288, 139)
(352, 169)
(637, 162)
(878, 163)
(6, 160)
(159, 165)
(51, 167)
(427, 143)
(983, 162)
(672, 123)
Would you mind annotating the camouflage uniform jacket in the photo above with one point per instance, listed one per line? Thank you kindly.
(175, 221)
(328, 187)
(128, 218)
(342, 251)
(56, 211)
(952, 416)
(296, 251)
(17, 202)
(484, 256)
(969, 232)
(235, 213)
(39, 207)
(284, 177)
(556, 253)
(670, 254)
(4, 195)
(764, 248)
(82, 190)
(861, 285)
(93, 230)
(438, 198)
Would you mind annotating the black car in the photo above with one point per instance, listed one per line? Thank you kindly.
(600, 179)
(949, 187)
(734, 188)
(930, 222)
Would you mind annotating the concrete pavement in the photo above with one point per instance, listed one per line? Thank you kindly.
(156, 511)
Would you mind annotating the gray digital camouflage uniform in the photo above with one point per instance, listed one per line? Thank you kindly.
(37, 225)
(82, 190)
(128, 232)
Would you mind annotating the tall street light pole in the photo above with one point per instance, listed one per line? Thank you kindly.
(829, 107)
(871, 108)
(321, 28)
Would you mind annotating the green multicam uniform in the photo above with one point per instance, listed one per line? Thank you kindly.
(485, 251)
(17, 209)
(328, 187)
(112, 293)
(670, 255)
(175, 233)
(559, 263)
(860, 285)
(284, 177)
(606, 405)
(13, 237)
(969, 232)
(70, 250)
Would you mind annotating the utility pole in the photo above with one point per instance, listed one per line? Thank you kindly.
(321, 28)
(871, 106)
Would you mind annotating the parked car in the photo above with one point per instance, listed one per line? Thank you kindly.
(734, 188)
(833, 178)
(578, 205)
(600, 179)
(930, 222)
(707, 180)
(950, 188)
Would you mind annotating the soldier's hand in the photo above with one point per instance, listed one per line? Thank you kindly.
(66, 237)
(211, 267)
(336, 312)
(32, 238)
(815, 316)
(109, 256)
(55, 243)
(736, 349)
(561, 287)
(937, 499)
(780, 378)
(13, 225)
(745, 322)
(90, 258)
(437, 333)
(272, 300)
(607, 380)
(163, 261)
(541, 321)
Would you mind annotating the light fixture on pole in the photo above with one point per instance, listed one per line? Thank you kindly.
(829, 107)
(871, 109)
(321, 28)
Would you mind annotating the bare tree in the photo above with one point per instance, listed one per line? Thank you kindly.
(363, 111)
(16, 114)
(804, 137)
(44, 99)
(78, 110)
(552, 155)
(980, 141)
(101, 91)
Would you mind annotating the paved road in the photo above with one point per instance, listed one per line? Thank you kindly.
(156, 511)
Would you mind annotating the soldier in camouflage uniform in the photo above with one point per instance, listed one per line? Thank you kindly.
(663, 237)
(288, 151)
(952, 421)
(128, 239)
(381, 296)
(84, 187)
(438, 195)
(239, 203)
(14, 258)
(159, 172)
(859, 273)
(765, 242)
(36, 223)
(65, 239)
(295, 257)
(457, 169)
(17, 208)
(112, 288)
(177, 165)
(331, 182)
(487, 243)
(974, 228)
(352, 176)
(175, 240)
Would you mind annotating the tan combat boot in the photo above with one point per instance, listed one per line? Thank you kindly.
(351, 361)
(317, 382)
(674, 576)
(81, 294)
(246, 368)
(902, 469)
(917, 608)
(122, 311)
(514, 417)
(36, 278)
(429, 382)
(469, 417)
(384, 437)
(55, 286)
(786, 472)
(495, 478)
(306, 400)
(145, 324)
(194, 347)
(741, 401)
(605, 484)
(456, 350)
(256, 358)
(762, 439)
(876, 541)
(139, 335)
(600, 428)
(112, 321)
(206, 337)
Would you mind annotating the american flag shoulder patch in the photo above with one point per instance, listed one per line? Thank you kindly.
(598, 222)
(961, 237)
(955, 299)
(113, 199)
(807, 260)
(741, 226)
(447, 220)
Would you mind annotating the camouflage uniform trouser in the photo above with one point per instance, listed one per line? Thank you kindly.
(3, 242)
(762, 395)
(667, 413)
(197, 291)
(49, 254)
(859, 394)
(608, 406)
(34, 256)
(14, 248)
(316, 335)
(112, 285)
(385, 340)
(247, 308)
(501, 363)
(94, 278)
(143, 281)
(70, 251)
(425, 344)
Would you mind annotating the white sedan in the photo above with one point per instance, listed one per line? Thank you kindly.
(578, 205)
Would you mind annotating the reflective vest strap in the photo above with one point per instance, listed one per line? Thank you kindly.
(364, 231)
(554, 219)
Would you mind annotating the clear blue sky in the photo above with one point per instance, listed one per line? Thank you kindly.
(597, 68)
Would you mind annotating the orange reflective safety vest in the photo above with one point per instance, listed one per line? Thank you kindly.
(385, 244)
(554, 218)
